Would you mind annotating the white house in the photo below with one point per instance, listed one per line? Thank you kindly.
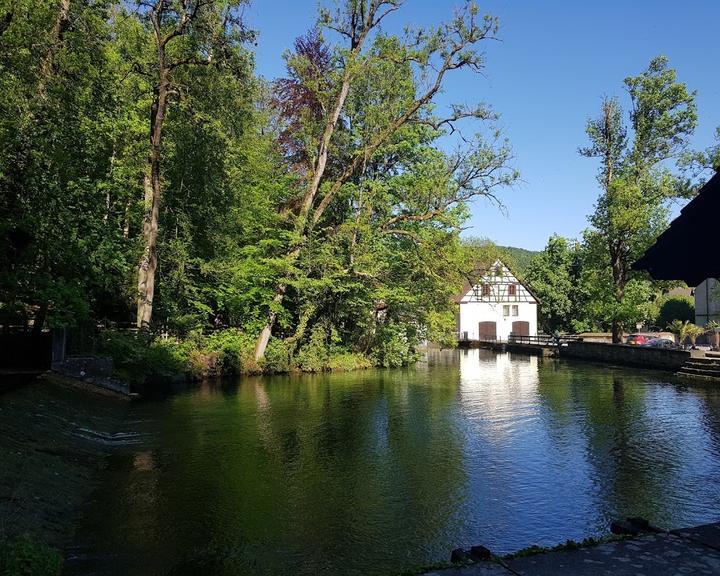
(707, 302)
(494, 304)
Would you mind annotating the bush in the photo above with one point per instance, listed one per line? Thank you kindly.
(233, 350)
(25, 556)
(346, 361)
(395, 345)
(314, 355)
(137, 356)
(277, 357)
(675, 308)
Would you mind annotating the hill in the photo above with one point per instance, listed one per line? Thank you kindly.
(518, 258)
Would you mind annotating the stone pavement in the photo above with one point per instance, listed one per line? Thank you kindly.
(687, 551)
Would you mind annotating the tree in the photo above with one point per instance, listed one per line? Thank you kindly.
(549, 274)
(636, 184)
(63, 163)
(675, 308)
(685, 330)
(353, 99)
(713, 327)
(185, 34)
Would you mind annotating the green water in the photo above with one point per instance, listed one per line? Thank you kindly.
(380, 472)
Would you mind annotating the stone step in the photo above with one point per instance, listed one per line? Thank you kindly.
(704, 371)
(702, 366)
(696, 376)
(713, 361)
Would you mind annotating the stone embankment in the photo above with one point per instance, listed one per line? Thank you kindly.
(647, 552)
(625, 355)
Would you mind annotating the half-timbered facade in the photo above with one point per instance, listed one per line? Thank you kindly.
(495, 304)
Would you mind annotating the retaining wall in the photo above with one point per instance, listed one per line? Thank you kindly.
(639, 356)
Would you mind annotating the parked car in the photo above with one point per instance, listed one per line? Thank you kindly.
(637, 339)
(660, 343)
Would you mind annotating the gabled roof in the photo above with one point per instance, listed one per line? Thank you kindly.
(687, 249)
(476, 276)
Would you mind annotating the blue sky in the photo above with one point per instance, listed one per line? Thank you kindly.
(547, 74)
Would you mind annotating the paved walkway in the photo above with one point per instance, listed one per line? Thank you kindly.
(687, 551)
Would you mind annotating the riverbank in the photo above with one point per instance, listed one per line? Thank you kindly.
(142, 359)
(650, 551)
(55, 436)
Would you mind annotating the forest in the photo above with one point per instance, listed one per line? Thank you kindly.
(151, 178)
(158, 194)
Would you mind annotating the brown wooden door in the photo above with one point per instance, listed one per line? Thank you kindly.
(520, 328)
(487, 330)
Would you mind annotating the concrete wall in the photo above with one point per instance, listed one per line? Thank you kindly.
(472, 313)
(656, 358)
(94, 370)
(707, 303)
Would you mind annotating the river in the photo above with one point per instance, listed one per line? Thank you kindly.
(384, 471)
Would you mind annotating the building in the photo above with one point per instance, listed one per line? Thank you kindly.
(494, 304)
(707, 302)
(687, 251)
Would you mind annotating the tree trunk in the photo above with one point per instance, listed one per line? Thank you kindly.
(56, 37)
(153, 191)
(264, 338)
(618, 272)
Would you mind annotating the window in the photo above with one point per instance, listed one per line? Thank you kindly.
(512, 290)
(485, 290)
(515, 310)
(506, 310)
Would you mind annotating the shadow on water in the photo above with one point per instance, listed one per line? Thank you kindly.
(378, 472)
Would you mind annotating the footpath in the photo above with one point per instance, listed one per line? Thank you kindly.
(649, 552)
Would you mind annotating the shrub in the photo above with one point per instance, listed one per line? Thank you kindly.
(675, 308)
(25, 556)
(233, 350)
(137, 356)
(277, 357)
(395, 346)
(314, 355)
(346, 361)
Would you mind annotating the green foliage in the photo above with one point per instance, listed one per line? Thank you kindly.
(675, 308)
(362, 265)
(685, 330)
(637, 183)
(519, 259)
(314, 356)
(140, 356)
(553, 277)
(394, 345)
(26, 556)
(278, 357)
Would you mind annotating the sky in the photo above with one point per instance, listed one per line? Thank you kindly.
(546, 76)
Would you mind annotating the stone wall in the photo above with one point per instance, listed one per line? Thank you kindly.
(95, 370)
(655, 358)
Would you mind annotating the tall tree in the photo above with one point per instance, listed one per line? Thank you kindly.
(634, 175)
(552, 278)
(185, 34)
(322, 81)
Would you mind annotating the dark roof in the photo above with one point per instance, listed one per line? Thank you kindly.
(479, 271)
(687, 250)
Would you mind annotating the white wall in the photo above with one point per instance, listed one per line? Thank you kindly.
(472, 313)
(707, 302)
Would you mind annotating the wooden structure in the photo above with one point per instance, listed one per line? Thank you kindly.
(686, 250)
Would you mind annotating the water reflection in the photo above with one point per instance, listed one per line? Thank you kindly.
(379, 472)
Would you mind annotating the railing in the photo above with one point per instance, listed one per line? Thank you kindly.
(543, 340)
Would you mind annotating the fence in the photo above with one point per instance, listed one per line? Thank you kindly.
(538, 340)
(543, 340)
